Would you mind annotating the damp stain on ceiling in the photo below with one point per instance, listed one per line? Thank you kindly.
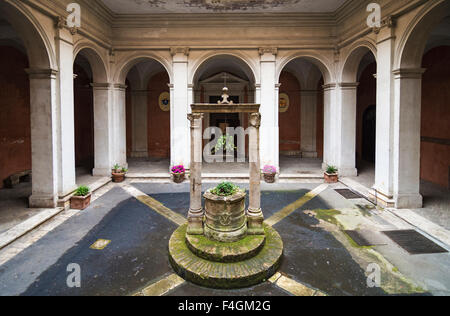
(221, 6)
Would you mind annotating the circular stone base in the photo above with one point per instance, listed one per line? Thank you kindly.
(241, 250)
(225, 275)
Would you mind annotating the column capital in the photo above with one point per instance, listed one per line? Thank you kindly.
(408, 73)
(119, 86)
(179, 50)
(268, 50)
(195, 116)
(255, 120)
(40, 73)
(101, 86)
(348, 85)
(329, 86)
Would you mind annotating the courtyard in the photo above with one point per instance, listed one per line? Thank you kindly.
(136, 219)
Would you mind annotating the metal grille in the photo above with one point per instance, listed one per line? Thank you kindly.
(414, 242)
(348, 194)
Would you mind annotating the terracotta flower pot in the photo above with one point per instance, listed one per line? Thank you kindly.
(178, 177)
(80, 202)
(331, 177)
(118, 177)
(269, 177)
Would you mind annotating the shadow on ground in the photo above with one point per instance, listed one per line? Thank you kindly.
(138, 255)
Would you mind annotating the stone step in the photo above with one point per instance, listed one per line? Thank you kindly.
(220, 275)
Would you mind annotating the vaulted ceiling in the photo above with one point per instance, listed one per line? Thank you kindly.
(221, 6)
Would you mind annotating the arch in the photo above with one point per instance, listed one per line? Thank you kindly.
(353, 60)
(97, 63)
(413, 42)
(38, 46)
(248, 67)
(314, 58)
(128, 62)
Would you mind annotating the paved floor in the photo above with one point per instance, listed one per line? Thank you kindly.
(318, 258)
(288, 165)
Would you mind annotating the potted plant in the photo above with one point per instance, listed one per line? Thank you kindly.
(118, 174)
(225, 219)
(269, 173)
(81, 199)
(178, 173)
(331, 175)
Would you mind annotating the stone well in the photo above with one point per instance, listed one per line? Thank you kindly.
(225, 218)
(224, 245)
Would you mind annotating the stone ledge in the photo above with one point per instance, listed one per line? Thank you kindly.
(211, 250)
(225, 275)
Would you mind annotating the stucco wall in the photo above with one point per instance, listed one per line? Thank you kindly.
(15, 131)
(158, 120)
(435, 157)
(290, 120)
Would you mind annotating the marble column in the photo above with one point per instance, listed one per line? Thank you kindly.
(344, 115)
(180, 103)
(196, 213)
(383, 190)
(254, 213)
(407, 123)
(269, 108)
(329, 139)
(66, 118)
(103, 129)
(120, 125)
(309, 123)
(44, 138)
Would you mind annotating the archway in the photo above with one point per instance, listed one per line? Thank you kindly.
(148, 116)
(366, 118)
(301, 115)
(28, 90)
(210, 77)
(421, 87)
(83, 116)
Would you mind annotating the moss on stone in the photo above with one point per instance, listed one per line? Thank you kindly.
(217, 251)
(328, 216)
(225, 275)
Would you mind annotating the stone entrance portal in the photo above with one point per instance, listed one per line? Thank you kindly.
(225, 246)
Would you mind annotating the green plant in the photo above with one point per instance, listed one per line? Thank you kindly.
(82, 191)
(116, 167)
(225, 143)
(124, 170)
(332, 170)
(225, 189)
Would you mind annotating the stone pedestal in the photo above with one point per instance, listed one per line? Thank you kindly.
(254, 213)
(196, 213)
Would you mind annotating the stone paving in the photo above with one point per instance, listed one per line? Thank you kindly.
(138, 219)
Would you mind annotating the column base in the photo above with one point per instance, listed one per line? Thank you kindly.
(408, 201)
(195, 222)
(348, 172)
(382, 199)
(100, 172)
(43, 201)
(255, 220)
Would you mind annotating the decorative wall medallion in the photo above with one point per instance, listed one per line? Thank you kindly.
(284, 102)
(164, 101)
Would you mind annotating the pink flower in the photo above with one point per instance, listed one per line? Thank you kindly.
(269, 169)
(178, 169)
